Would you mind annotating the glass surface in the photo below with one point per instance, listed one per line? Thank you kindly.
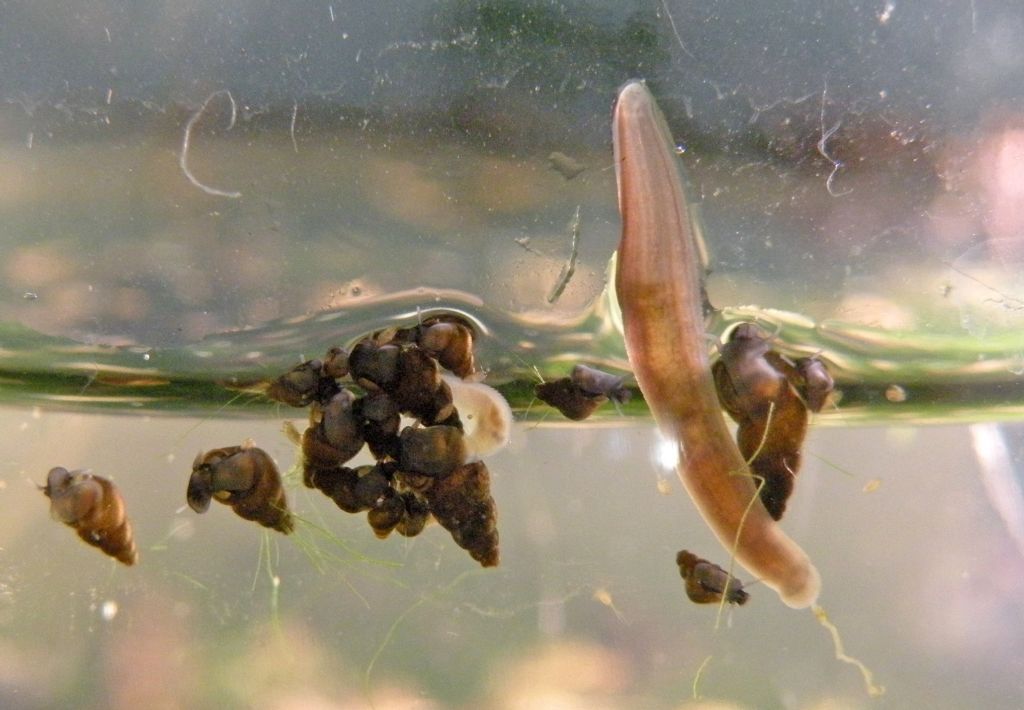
(196, 197)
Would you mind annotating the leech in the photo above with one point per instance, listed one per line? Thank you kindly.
(660, 294)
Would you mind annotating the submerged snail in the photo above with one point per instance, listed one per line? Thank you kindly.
(93, 506)
(420, 391)
(580, 394)
(334, 434)
(337, 483)
(244, 477)
(816, 384)
(462, 503)
(568, 399)
(415, 515)
(386, 513)
(433, 451)
(769, 397)
(379, 420)
(706, 582)
(372, 365)
(335, 363)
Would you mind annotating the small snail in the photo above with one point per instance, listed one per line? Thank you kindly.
(415, 517)
(379, 418)
(373, 366)
(386, 514)
(816, 383)
(431, 451)
(244, 477)
(334, 434)
(336, 482)
(707, 582)
(596, 382)
(418, 389)
(579, 395)
(568, 399)
(93, 506)
(450, 341)
(335, 364)
(462, 503)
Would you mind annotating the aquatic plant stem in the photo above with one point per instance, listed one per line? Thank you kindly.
(658, 285)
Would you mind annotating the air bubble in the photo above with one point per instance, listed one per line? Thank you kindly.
(108, 610)
(895, 393)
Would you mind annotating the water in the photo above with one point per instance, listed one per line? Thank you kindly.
(120, 283)
(395, 163)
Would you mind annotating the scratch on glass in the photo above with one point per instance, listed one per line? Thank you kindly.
(569, 268)
(187, 139)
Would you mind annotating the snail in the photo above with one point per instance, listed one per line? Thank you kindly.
(244, 477)
(706, 582)
(93, 506)
(769, 397)
(579, 395)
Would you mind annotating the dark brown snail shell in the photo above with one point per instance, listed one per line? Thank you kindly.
(244, 477)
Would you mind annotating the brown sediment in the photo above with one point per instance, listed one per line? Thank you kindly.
(659, 292)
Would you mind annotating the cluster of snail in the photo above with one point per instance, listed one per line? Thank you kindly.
(769, 397)
(422, 470)
(427, 470)
(243, 477)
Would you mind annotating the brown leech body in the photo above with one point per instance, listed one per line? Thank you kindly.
(93, 506)
(659, 292)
